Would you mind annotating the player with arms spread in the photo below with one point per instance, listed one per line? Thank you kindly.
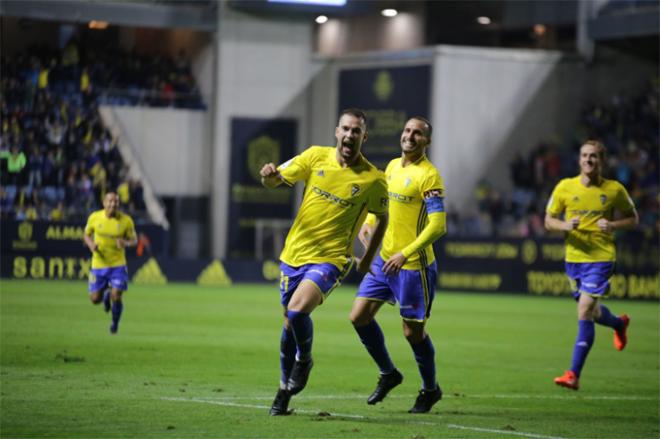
(107, 233)
(405, 270)
(589, 204)
(341, 187)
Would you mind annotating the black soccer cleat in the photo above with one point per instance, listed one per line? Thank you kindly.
(299, 376)
(426, 399)
(386, 382)
(280, 405)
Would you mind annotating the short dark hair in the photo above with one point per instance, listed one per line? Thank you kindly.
(427, 122)
(598, 144)
(354, 112)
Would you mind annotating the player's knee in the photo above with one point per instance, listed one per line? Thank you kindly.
(360, 318)
(413, 334)
(96, 298)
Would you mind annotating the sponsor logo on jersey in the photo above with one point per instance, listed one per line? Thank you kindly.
(603, 199)
(400, 197)
(320, 173)
(331, 197)
(354, 189)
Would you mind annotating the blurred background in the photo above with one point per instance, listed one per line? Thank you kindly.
(177, 104)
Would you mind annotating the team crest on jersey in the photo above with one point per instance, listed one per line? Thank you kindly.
(576, 199)
(407, 182)
(354, 189)
(603, 199)
(321, 173)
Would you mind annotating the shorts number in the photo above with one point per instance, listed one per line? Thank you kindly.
(284, 281)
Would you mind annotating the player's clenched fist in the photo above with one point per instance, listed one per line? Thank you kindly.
(269, 170)
(270, 176)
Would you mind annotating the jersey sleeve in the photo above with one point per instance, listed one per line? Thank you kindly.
(556, 204)
(378, 201)
(298, 168)
(90, 226)
(130, 228)
(623, 202)
(433, 193)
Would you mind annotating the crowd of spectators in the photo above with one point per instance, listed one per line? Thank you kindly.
(629, 128)
(57, 160)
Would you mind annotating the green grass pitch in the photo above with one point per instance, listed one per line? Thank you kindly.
(193, 361)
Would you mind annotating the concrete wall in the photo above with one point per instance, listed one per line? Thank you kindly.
(173, 147)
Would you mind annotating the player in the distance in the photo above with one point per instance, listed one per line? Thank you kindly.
(593, 208)
(107, 233)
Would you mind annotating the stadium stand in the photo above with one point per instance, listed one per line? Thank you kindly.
(57, 159)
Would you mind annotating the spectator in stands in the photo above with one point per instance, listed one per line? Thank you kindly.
(35, 165)
(16, 162)
(58, 213)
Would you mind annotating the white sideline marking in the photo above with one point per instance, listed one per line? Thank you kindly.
(515, 433)
(251, 406)
(513, 396)
(351, 416)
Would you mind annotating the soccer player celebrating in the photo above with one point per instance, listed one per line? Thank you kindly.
(588, 203)
(405, 271)
(107, 233)
(341, 187)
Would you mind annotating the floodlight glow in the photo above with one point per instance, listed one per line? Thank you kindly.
(389, 12)
(539, 29)
(96, 24)
(312, 2)
(483, 20)
(321, 19)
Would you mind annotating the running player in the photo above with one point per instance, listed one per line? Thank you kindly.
(341, 187)
(405, 270)
(592, 208)
(107, 233)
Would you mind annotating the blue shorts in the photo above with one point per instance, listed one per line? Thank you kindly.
(116, 277)
(414, 290)
(326, 276)
(592, 278)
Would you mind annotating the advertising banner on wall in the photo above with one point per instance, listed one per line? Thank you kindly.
(389, 96)
(256, 142)
(536, 266)
(64, 238)
(524, 266)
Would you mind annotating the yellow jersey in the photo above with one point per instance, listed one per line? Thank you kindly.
(106, 231)
(588, 243)
(417, 215)
(335, 203)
